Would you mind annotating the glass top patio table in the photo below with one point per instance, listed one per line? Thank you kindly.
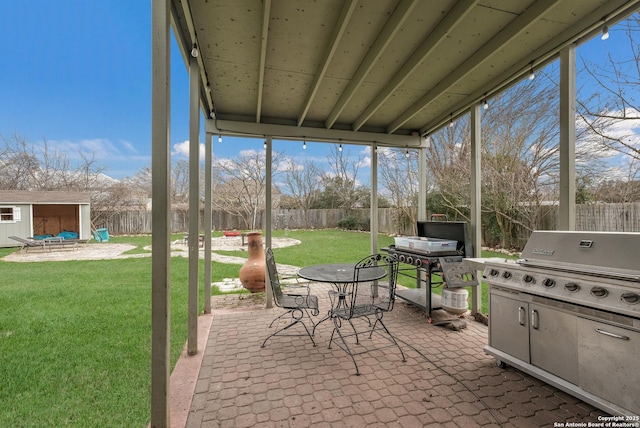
(340, 273)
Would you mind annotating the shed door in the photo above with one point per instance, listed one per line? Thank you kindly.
(53, 219)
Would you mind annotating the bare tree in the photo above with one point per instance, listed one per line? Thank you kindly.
(242, 186)
(28, 166)
(142, 181)
(613, 110)
(302, 184)
(341, 188)
(609, 116)
(519, 160)
(399, 176)
(180, 182)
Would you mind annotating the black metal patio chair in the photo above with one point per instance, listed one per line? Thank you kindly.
(365, 298)
(295, 298)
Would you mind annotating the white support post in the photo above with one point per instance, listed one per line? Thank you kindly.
(422, 180)
(567, 196)
(194, 204)
(208, 154)
(160, 189)
(267, 211)
(373, 221)
(476, 201)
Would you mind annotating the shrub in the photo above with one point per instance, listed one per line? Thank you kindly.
(349, 223)
(353, 223)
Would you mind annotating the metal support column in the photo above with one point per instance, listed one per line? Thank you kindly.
(476, 201)
(267, 210)
(422, 180)
(567, 197)
(373, 221)
(160, 189)
(208, 154)
(194, 204)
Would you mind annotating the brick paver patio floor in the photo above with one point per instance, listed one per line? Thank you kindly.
(447, 380)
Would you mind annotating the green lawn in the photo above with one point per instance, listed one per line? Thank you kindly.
(75, 336)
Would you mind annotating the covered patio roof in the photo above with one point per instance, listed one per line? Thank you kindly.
(377, 69)
(377, 73)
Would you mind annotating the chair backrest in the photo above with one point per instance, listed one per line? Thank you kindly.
(274, 280)
(379, 293)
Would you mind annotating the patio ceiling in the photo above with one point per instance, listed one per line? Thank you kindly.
(370, 71)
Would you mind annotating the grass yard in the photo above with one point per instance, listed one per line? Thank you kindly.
(75, 336)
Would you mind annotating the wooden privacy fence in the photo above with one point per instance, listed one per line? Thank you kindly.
(596, 217)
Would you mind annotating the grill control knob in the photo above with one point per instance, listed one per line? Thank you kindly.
(401, 257)
(631, 298)
(549, 283)
(528, 279)
(409, 260)
(493, 272)
(599, 292)
(572, 287)
(506, 275)
(418, 262)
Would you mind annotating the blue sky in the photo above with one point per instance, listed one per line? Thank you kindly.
(78, 74)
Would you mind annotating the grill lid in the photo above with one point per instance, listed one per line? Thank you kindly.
(603, 254)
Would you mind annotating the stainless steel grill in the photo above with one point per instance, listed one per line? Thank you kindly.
(568, 312)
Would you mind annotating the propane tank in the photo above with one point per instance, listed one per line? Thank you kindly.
(455, 300)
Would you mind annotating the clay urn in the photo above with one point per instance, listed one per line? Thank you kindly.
(253, 271)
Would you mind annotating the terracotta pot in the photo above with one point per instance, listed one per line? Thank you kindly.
(253, 271)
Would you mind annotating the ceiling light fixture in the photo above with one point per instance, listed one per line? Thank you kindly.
(340, 148)
(531, 73)
(265, 144)
(406, 153)
(208, 87)
(219, 138)
(451, 120)
(485, 104)
(212, 114)
(194, 51)
(304, 145)
(605, 32)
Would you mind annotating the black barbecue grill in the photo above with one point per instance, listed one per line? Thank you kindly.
(435, 268)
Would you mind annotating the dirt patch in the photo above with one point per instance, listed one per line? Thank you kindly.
(103, 251)
(100, 251)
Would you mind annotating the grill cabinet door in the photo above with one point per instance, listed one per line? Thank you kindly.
(509, 326)
(608, 366)
(554, 341)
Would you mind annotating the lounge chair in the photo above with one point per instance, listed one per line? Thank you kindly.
(48, 243)
(29, 243)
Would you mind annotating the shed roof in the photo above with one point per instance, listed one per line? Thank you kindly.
(43, 197)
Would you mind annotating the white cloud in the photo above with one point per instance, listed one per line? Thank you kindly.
(101, 148)
(385, 151)
(365, 162)
(224, 162)
(248, 152)
(129, 146)
(182, 149)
